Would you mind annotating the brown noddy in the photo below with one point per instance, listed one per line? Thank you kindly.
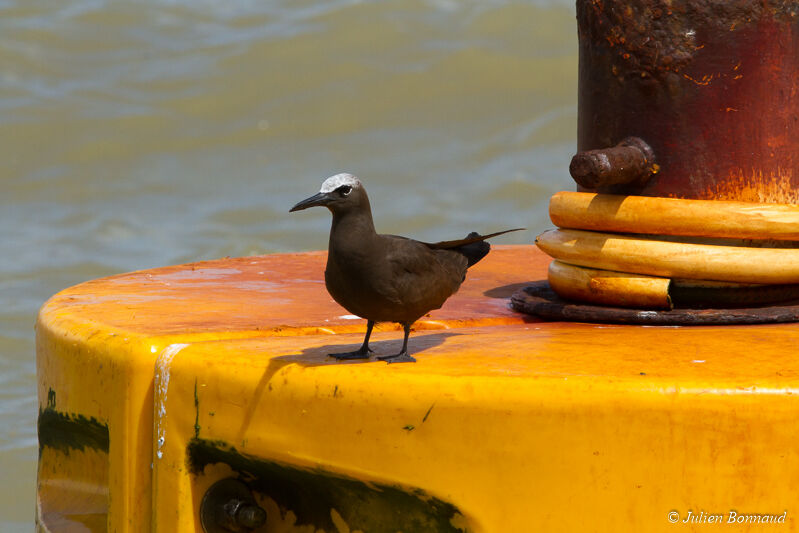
(386, 278)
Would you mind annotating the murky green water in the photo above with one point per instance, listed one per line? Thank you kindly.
(139, 134)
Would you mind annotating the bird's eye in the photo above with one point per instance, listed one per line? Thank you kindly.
(344, 190)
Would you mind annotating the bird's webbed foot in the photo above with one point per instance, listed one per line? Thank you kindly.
(401, 357)
(360, 353)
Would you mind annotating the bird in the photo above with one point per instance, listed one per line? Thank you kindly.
(386, 278)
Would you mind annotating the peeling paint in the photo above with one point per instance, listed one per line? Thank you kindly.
(162, 367)
(330, 501)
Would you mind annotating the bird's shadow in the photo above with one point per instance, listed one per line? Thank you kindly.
(320, 356)
(506, 291)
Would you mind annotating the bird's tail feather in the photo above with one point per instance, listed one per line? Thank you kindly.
(473, 247)
(472, 237)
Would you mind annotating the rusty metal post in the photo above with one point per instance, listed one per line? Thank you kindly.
(711, 85)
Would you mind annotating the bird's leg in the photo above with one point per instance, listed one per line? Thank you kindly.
(363, 351)
(403, 356)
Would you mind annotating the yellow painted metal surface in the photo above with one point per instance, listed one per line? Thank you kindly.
(518, 425)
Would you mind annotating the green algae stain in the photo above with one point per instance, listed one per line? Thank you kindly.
(69, 431)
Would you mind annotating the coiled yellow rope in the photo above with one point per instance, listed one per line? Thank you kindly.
(627, 250)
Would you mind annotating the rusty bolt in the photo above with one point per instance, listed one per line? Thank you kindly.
(229, 507)
(250, 516)
(632, 160)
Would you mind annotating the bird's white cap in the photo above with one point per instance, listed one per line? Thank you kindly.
(334, 182)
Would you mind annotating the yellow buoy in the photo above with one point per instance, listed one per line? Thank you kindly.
(156, 385)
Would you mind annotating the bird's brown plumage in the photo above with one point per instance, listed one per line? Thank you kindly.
(390, 278)
(386, 278)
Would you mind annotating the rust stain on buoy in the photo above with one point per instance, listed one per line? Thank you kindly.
(712, 86)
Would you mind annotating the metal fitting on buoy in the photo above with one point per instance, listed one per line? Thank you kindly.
(229, 507)
(630, 161)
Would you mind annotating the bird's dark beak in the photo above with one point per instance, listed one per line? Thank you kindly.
(317, 199)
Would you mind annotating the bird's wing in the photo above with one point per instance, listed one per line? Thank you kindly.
(420, 274)
(407, 256)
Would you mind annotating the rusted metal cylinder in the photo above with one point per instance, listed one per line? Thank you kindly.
(711, 85)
